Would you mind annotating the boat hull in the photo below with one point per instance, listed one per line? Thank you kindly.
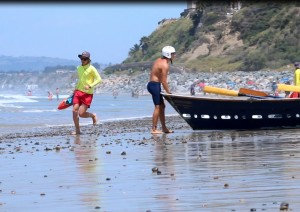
(203, 113)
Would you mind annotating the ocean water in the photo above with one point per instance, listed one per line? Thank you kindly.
(21, 112)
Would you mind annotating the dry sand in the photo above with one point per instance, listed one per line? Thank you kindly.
(120, 166)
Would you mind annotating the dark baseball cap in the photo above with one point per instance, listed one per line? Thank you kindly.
(297, 64)
(84, 54)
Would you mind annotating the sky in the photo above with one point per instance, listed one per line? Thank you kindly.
(106, 30)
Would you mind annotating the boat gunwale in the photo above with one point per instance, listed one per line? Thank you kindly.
(230, 98)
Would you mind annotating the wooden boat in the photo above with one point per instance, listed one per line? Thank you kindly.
(236, 112)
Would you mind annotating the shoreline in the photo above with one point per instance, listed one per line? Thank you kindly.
(104, 127)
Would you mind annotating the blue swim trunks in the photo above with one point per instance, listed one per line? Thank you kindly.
(154, 89)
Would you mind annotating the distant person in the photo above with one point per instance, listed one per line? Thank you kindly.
(287, 93)
(50, 95)
(115, 93)
(296, 78)
(135, 93)
(274, 87)
(192, 89)
(29, 93)
(297, 74)
(57, 94)
(88, 78)
(158, 76)
(201, 86)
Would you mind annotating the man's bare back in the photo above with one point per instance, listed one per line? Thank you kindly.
(159, 72)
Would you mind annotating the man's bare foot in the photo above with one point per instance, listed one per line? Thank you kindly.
(94, 119)
(75, 133)
(168, 131)
(156, 132)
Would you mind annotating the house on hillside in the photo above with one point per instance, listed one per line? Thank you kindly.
(192, 5)
(236, 5)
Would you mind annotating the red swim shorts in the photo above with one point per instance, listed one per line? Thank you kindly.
(82, 98)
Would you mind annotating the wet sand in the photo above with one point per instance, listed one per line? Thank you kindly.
(120, 166)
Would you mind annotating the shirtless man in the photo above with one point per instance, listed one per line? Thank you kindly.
(159, 73)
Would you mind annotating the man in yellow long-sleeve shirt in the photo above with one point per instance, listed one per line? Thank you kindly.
(296, 80)
(88, 78)
(297, 74)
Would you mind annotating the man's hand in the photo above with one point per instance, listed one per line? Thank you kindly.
(87, 87)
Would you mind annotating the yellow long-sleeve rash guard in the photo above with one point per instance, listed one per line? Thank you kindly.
(297, 77)
(87, 75)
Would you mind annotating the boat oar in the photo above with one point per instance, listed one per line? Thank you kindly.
(222, 91)
(292, 88)
(228, 92)
(252, 92)
(255, 93)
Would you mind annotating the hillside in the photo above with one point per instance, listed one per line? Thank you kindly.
(215, 37)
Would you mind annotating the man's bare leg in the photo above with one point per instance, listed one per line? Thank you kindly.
(84, 114)
(94, 117)
(76, 119)
(155, 120)
(163, 119)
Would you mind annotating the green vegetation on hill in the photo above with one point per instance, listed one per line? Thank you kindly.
(174, 33)
(262, 35)
(271, 32)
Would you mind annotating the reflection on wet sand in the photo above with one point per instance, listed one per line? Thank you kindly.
(165, 163)
(113, 171)
(238, 169)
(201, 171)
(89, 169)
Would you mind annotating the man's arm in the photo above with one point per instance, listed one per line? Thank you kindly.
(297, 77)
(164, 76)
(98, 78)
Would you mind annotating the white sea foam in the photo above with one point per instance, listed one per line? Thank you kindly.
(15, 98)
(38, 111)
(10, 106)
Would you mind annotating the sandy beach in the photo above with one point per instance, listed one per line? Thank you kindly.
(120, 166)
